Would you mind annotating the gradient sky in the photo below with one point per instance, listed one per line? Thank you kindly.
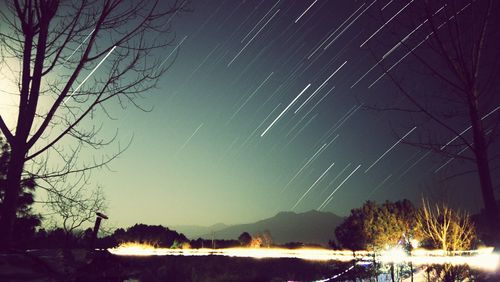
(199, 157)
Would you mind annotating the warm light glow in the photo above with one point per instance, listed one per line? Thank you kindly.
(483, 258)
(394, 255)
(414, 243)
(134, 249)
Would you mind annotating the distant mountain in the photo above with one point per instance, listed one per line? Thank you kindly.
(196, 231)
(308, 227)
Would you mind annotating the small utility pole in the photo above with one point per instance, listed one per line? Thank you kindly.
(97, 224)
(213, 238)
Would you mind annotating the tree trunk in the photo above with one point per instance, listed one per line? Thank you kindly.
(483, 168)
(490, 205)
(30, 86)
(12, 192)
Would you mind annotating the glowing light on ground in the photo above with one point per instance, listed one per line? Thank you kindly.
(484, 259)
(133, 249)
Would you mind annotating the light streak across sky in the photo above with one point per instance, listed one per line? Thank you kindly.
(78, 47)
(189, 138)
(312, 186)
(390, 148)
(349, 25)
(319, 88)
(258, 127)
(250, 96)
(279, 90)
(332, 33)
(284, 111)
(171, 53)
(397, 45)
(412, 50)
(336, 177)
(257, 24)
(251, 39)
(330, 197)
(468, 128)
(450, 160)
(385, 24)
(379, 185)
(304, 166)
(385, 6)
(92, 72)
(303, 13)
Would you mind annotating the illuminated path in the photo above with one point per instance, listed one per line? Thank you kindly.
(484, 259)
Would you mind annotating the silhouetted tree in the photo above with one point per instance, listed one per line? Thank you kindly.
(262, 239)
(26, 221)
(453, 46)
(57, 238)
(120, 235)
(350, 233)
(333, 244)
(150, 234)
(374, 227)
(75, 207)
(58, 46)
(197, 244)
(245, 239)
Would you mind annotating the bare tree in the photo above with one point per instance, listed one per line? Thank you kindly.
(75, 206)
(447, 229)
(76, 58)
(452, 47)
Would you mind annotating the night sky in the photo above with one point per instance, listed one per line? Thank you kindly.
(267, 108)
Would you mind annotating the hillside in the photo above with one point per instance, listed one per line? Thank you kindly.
(195, 231)
(308, 227)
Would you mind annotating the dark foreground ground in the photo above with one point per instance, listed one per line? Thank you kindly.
(80, 265)
(77, 265)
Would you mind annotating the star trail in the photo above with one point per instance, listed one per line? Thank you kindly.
(290, 105)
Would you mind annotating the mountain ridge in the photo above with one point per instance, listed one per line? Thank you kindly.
(313, 226)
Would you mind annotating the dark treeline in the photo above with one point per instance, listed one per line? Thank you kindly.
(155, 235)
(388, 221)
